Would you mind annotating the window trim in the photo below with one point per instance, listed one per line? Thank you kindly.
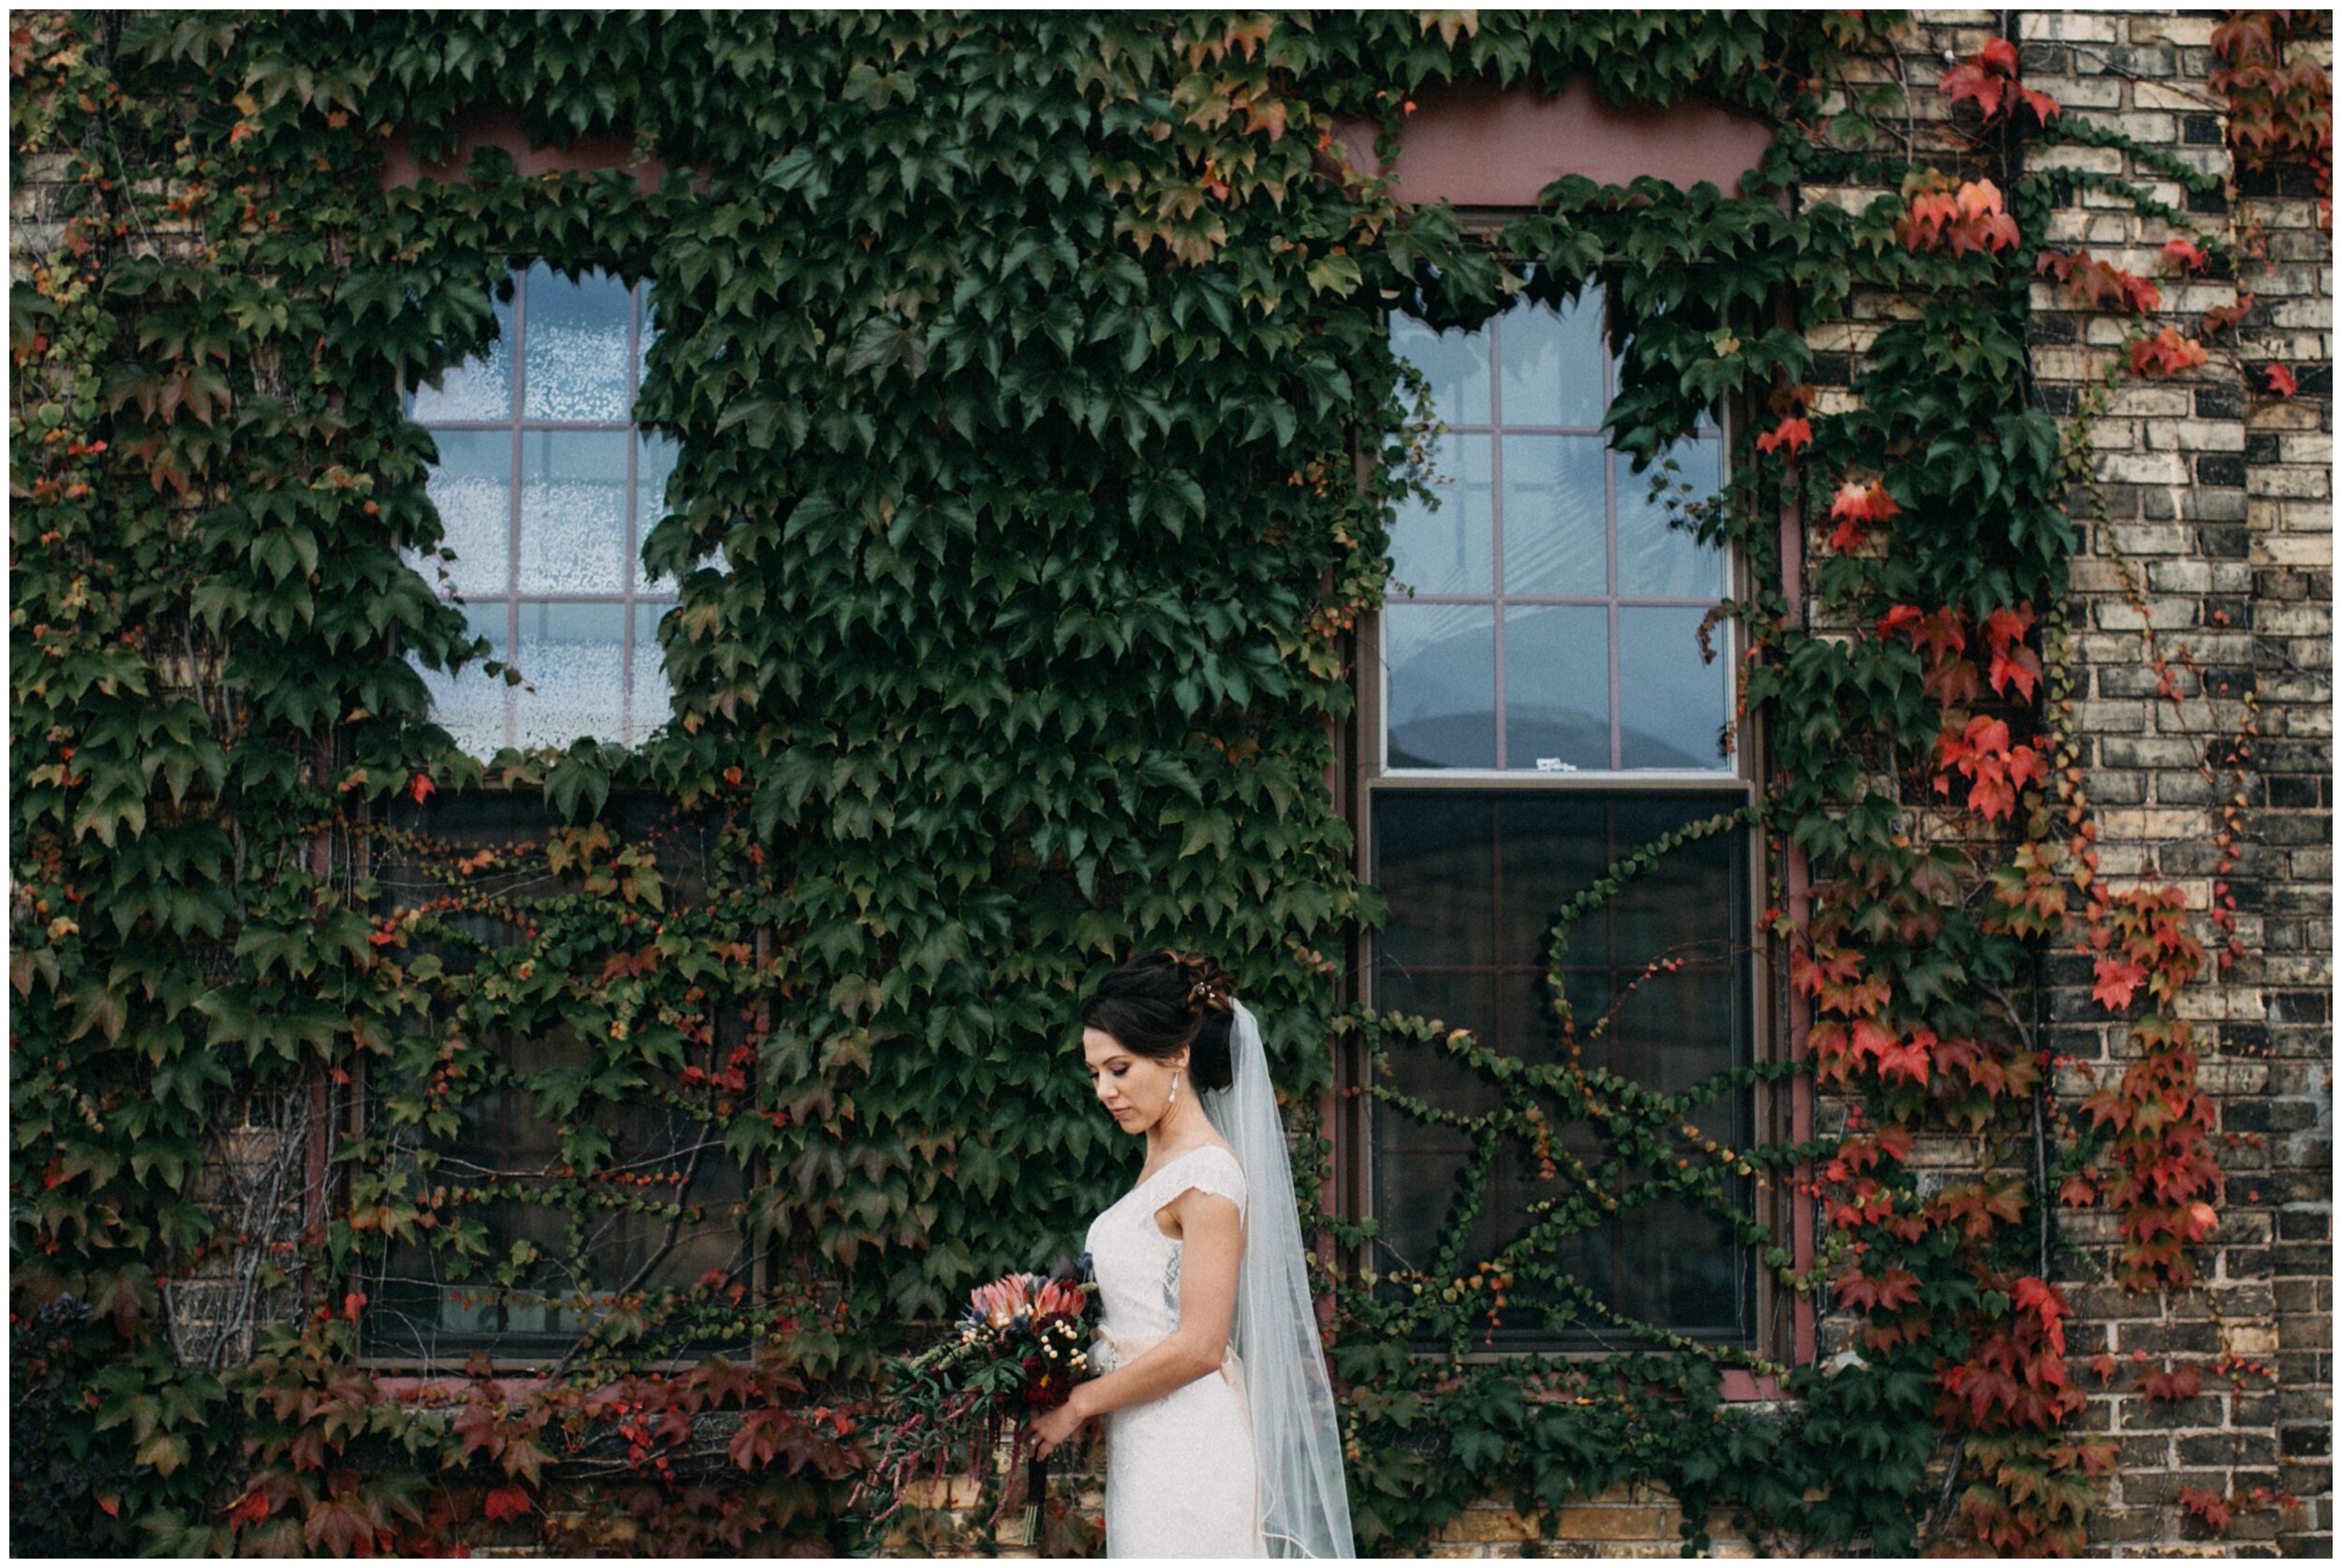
(1783, 1321)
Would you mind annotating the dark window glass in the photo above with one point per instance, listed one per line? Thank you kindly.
(1474, 883)
(430, 1305)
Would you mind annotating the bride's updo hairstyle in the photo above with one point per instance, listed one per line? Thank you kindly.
(1162, 1000)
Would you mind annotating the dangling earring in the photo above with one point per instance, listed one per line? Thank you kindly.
(1175, 1092)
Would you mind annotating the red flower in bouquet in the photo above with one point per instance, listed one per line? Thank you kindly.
(1020, 1348)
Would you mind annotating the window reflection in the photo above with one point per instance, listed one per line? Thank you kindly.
(1536, 516)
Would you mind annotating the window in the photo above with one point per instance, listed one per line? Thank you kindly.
(1552, 619)
(546, 488)
(1540, 707)
(532, 1274)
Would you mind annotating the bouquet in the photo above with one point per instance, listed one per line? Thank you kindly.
(1019, 1347)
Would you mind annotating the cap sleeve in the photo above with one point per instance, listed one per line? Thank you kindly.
(1210, 1169)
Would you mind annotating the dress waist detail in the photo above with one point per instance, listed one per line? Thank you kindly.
(1116, 1351)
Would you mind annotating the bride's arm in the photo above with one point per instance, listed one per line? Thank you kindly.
(1211, 1235)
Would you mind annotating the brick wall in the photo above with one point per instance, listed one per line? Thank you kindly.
(2214, 514)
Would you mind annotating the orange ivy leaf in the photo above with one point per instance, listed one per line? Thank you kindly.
(2183, 255)
(2166, 353)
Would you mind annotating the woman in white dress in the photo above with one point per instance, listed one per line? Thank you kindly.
(1221, 1439)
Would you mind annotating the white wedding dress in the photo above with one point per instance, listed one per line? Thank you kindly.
(1182, 1479)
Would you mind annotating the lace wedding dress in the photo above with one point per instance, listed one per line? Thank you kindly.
(1182, 1475)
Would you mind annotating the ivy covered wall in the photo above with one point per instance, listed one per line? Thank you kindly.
(1038, 434)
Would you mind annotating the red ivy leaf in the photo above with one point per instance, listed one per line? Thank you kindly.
(421, 787)
(1966, 84)
(1857, 508)
(2166, 353)
(2172, 1387)
(2117, 977)
(2211, 1507)
(2022, 667)
(2183, 255)
(507, 1502)
(1787, 437)
(2219, 319)
(2280, 380)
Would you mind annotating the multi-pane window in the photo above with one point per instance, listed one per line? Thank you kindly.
(545, 488)
(1553, 606)
(1546, 709)
(565, 1255)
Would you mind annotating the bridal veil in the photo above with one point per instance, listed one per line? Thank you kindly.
(1296, 1433)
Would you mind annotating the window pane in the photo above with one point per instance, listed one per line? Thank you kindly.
(577, 348)
(573, 655)
(1457, 364)
(558, 513)
(653, 462)
(1551, 363)
(1554, 501)
(479, 389)
(1414, 1191)
(1671, 705)
(1428, 1071)
(1657, 561)
(469, 704)
(1681, 1267)
(1443, 685)
(1557, 686)
(1432, 859)
(573, 511)
(1666, 907)
(1531, 1030)
(652, 699)
(1450, 549)
(472, 487)
(1674, 1030)
(1553, 848)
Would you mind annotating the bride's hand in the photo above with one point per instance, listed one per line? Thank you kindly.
(1053, 1429)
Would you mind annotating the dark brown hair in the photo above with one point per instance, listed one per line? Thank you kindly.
(1162, 1000)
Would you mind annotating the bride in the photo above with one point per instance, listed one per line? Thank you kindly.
(1221, 1439)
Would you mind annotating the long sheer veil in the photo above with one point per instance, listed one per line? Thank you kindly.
(1305, 1507)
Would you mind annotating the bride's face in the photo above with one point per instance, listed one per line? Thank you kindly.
(1135, 1089)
